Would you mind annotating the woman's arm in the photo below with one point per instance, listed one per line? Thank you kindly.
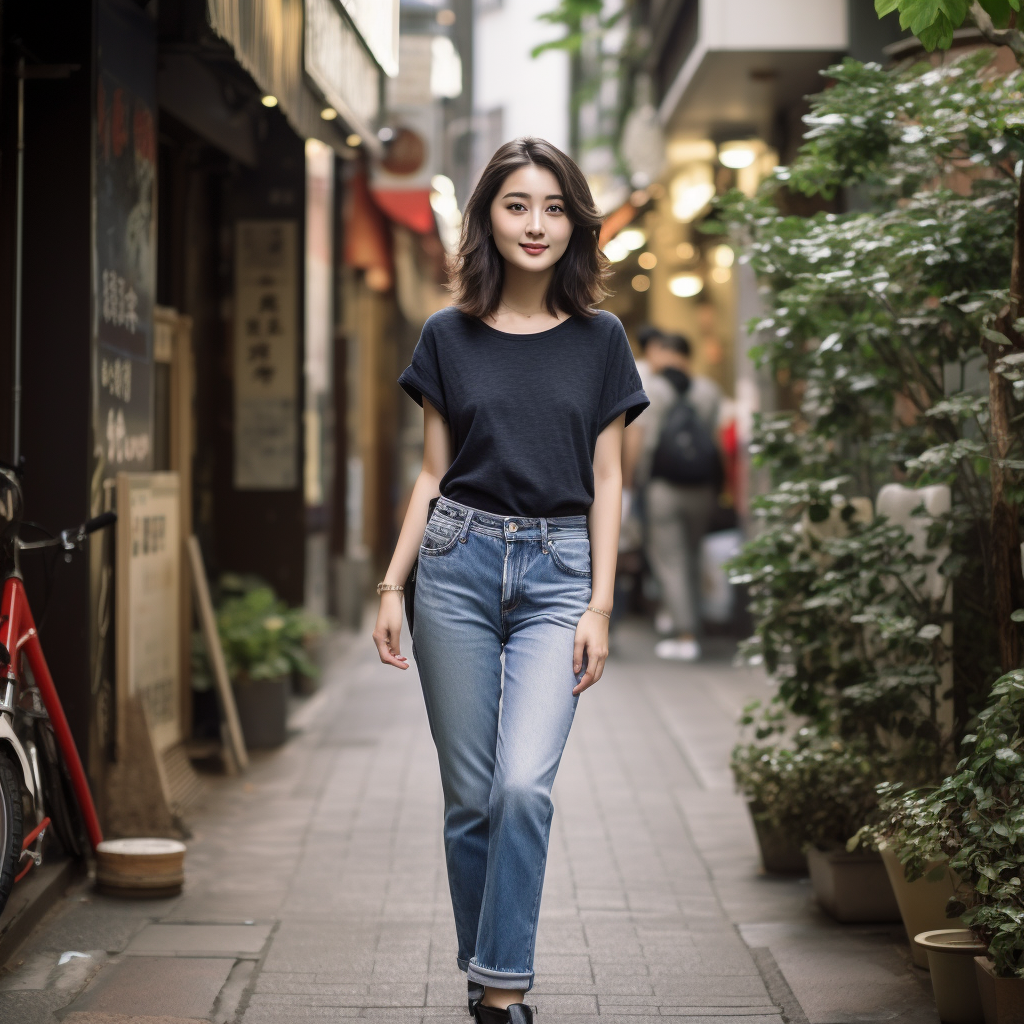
(436, 460)
(604, 521)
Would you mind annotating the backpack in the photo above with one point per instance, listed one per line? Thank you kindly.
(686, 453)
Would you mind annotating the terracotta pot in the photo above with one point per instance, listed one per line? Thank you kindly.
(1002, 999)
(852, 886)
(263, 710)
(922, 903)
(951, 953)
(780, 853)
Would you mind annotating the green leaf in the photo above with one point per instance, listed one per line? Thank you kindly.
(995, 337)
(938, 35)
(884, 7)
(1018, 615)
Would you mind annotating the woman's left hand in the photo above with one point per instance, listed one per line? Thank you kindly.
(591, 644)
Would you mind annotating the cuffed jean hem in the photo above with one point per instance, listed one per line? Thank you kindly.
(463, 964)
(499, 979)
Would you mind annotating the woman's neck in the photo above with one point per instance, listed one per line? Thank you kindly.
(526, 291)
(522, 308)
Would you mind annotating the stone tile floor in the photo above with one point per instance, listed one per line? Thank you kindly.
(316, 888)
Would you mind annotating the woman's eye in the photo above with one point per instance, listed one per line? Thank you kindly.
(555, 208)
(517, 207)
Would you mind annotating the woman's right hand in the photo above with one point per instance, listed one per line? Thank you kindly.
(388, 630)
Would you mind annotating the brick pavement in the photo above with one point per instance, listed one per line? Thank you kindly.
(330, 851)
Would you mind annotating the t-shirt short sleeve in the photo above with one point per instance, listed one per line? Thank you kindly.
(422, 377)
(622, 392)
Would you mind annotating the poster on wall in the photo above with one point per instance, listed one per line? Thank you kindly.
(266, 356)
(148, 600)
(124, 265)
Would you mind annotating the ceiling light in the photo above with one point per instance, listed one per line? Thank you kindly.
(737, 155)
(386, 134)
(685, 286)
(647, 260)
(328, 113)
(723, 256)
(720, 275)
(269, 101)
(641, 283)
(686, 252)
(692, 189)
(443, 184)
(616, 250)
(683, 151)
(354, 140)
(632, 238)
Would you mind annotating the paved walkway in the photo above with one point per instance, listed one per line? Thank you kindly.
(316, 887)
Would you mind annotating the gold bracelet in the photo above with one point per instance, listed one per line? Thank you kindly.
(382, 587)
(599, 611)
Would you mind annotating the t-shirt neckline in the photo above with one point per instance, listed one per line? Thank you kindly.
(512, 334)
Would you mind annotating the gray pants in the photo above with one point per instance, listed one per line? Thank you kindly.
(677, 520)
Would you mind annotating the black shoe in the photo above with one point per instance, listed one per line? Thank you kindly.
(475, 993)
(517, 1013)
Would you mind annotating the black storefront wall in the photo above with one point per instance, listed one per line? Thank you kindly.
(262, 529)
(88, 257)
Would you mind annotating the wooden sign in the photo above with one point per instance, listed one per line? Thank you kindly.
(234, 741)
(149, 602)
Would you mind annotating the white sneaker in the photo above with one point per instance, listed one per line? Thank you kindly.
(663, 623)
(678, 650)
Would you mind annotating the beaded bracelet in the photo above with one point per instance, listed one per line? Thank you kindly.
(382, 587)
(599, 611)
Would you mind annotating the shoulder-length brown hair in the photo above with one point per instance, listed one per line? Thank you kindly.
(477, 270)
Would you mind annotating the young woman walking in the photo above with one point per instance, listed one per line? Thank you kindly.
(525, 389)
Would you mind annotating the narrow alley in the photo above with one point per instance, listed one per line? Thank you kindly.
(316, 887)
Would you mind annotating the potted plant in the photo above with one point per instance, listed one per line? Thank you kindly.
(301, 637)
(975, 820)
(862, 307)
(252, 634)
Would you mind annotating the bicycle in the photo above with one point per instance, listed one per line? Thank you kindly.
(38, 756)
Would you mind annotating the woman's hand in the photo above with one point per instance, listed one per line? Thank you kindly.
(388, 630)
(592, 643)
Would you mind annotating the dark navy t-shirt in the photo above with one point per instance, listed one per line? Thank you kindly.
(524, 410)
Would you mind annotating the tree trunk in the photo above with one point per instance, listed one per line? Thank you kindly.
(1007, 582)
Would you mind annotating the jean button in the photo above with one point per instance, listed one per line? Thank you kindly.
(512, 527)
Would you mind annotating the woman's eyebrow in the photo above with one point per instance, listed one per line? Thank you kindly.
(526, 195)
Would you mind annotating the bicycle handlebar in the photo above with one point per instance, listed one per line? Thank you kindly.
(70, 539)
(103, 520)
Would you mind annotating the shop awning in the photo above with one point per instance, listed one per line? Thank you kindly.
(271, 40)
(408, 206)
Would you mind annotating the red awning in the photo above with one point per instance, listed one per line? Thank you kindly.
(407, 206)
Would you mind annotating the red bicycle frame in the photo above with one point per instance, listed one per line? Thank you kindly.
(18, 634)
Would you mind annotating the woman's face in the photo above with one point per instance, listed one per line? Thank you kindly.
(528, 219)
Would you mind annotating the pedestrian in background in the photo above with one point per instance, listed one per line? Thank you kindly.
(526, 390)
(680, 468)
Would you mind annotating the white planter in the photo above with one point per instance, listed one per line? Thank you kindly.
(1002, 999)
(922, 903)
(951, 953)
(852, 886)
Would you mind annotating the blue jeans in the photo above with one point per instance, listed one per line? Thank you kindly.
(488, 586)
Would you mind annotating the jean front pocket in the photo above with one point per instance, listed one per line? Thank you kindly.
(571, 555)
(440, 536)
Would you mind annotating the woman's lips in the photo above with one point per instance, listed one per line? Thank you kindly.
(533, 250)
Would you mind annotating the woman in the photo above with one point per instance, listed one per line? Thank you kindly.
(525, 391)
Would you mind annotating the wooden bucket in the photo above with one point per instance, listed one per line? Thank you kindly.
(140, 868)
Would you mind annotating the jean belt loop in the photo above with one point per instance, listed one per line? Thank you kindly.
(544, 536)
(464, 532)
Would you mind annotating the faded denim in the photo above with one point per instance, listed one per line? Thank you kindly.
(489, 586)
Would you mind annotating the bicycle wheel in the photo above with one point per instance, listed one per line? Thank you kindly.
(10, 826)
(58, 794)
